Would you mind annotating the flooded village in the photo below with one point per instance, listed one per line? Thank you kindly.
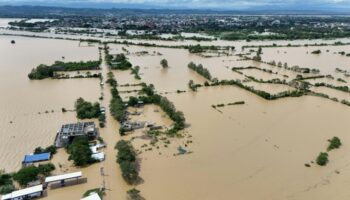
(108, 118)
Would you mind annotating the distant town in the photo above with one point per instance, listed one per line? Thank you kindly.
(151, 24)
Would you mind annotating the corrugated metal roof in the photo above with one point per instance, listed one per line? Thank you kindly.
(23, 192)
(36, 157)
(63, 177)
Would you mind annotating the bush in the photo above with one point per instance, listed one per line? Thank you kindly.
(316, 52)
(26, 175)
(50, 149)
(134, 194)
(334, 143)
(46, 169)
(5, 189)
(6, 184)
(322, 159)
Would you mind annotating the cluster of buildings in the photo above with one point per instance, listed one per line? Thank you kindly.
(184, 22)
(64, 137)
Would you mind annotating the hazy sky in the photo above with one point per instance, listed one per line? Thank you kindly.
(228, 4)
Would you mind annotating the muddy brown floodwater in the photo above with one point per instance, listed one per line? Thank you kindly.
(251, 151)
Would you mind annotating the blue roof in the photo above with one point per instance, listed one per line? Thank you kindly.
(36, 157)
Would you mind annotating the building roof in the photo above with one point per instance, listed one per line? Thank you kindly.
(98, 156)
(63, 177)
(36, 157)
(23, 192)
(77, 127)
(92, 196)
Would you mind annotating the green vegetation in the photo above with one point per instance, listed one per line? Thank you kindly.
(118, 61)
(345, 102)
(26, 175)
(167, 106)
(195, 49)
(340, 88)
(87, 110)
(50, 149)
(80, 152)
(199, 49)
(200, 70)
(135, 71)
(31, 173)
(322, 159)
(116, 106)
(258, 55)
(44, 71)
(334, 143)
(127, 160)
(316, 52)
(236, 103)
(134, 194)
(237, 69)
(193, 86)
(263, 94)
(164, 63)
(6, 183)
(111, 80)
(229, 104)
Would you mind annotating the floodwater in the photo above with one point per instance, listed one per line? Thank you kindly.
(24, 103)
(261, 146)
(327, 61)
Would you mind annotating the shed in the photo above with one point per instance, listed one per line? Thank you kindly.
(63, 177)
(36, 158)
(26, 193)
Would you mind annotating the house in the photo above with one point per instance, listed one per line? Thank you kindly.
(69, 131)
(32, 158)
(27, 193)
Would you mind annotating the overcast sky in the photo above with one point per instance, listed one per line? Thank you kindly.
(225, 4)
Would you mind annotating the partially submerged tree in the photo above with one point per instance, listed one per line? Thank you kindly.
(164, 63)
(322, 159)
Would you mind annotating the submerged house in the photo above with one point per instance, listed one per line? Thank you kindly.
(130, 126)
(69, 131)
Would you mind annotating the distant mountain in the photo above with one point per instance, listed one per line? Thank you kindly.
(132, 9)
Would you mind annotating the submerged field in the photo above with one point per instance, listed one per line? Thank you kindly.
(257, 150)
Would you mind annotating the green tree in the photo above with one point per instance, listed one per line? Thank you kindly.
(80, 152)
(322, 159)
(26, 175)
(164, 63)
(334, 143)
